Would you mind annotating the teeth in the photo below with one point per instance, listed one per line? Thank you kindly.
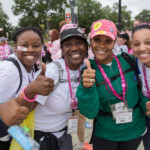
(75, 56)
(30, 57)
(101, 52)
(144, 55)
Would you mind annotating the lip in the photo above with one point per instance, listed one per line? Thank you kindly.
(144, 55)
(30, 57)
(100, 52)
(75, 55)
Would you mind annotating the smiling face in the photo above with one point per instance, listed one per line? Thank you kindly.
(33, 43)
(120, 41)
(141, 45)
(102, 47)
(74, 51)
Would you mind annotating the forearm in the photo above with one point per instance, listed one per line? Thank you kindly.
(88, 101)
(30, 94)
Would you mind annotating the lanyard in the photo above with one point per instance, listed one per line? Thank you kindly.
(74, 102)
(146, 83)
(123, 83)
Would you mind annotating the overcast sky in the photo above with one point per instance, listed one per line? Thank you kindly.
(135, 6)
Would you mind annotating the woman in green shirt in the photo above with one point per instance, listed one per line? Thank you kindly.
(109, 93)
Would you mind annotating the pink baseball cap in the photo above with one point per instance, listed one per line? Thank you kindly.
(104, 27)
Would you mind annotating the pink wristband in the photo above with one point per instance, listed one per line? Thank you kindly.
(27, 99)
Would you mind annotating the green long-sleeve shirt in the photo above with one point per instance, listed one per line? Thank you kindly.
(96, 98)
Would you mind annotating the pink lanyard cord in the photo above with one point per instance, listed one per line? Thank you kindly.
(123, 82)
(74, 102)
(146, 83)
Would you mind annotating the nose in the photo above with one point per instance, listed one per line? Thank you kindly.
(142, 47)
(74, 46)
(101, 45)
(30, 48)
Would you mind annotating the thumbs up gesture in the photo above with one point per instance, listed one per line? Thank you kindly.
(41, 85)
(43, 69)
(12, 113)
(88, 75)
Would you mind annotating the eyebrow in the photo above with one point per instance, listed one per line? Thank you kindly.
(148, 38)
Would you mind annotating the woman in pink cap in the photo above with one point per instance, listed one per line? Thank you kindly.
(110, 95)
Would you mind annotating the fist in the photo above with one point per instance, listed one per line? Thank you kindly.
(12, 113)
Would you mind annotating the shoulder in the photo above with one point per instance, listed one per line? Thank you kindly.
(56, 42)
(126, 57)
(7, 68)
(52, 70)
(9, 74)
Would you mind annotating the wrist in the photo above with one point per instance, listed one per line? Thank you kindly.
(29, 95)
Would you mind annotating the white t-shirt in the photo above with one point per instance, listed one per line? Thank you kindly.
(141, 75)
(53, 111)
(119, 49)
(10, 80)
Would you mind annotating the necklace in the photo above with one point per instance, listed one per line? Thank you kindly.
(74, 102)
(123, 82)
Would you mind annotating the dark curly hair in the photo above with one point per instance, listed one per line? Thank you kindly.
(21, 30)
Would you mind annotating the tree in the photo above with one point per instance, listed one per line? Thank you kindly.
(39, 13)
(7, 27)
(144, 16)
(112, 14)
(89, 11)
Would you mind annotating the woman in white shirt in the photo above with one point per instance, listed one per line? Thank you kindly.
(28, 45)
(141, 48)
(54, 110)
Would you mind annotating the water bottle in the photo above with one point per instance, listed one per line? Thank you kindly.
(23, 138)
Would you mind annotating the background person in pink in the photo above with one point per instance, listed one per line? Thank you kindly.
(5, 50)
(54, 47)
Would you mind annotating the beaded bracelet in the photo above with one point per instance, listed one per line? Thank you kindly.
(27, 99)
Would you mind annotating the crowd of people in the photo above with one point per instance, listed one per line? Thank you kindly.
(103, 76)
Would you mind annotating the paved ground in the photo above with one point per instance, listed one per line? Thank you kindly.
(87, 138)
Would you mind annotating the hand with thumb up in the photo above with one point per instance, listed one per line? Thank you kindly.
(41, 85)
(12, 112)
(88, 75)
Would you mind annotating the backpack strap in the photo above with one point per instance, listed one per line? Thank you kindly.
(15, 62)
(60, 73)
(114, 77)
(133, 65)
(129, 60)
(61, 80)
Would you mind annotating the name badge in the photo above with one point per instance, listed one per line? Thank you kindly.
(119, 107)
(72, 125)
(123, 117)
